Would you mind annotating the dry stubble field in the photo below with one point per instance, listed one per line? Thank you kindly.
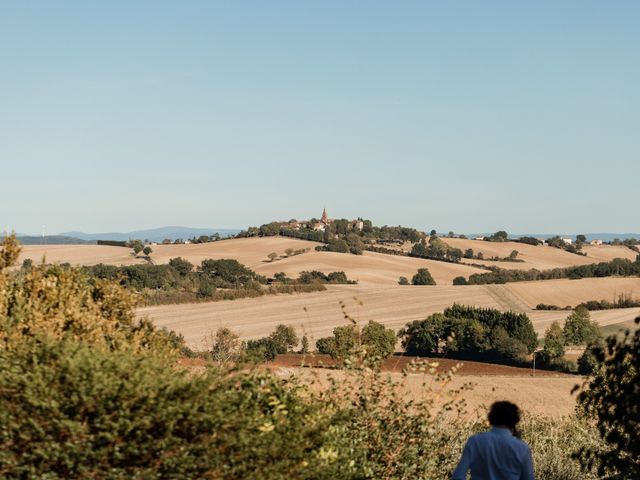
(539, 257)
(316, 314)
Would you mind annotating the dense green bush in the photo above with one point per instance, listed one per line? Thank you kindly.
(500, 236)
(337, 245)
(589, 361)
(436, 249)
(423, 277)
(373, 341)
(282, 340)
(554, 342)
(379, 342)
(529, 241)
(579, 329)
(315, 276)
(469, 332)
(182, 266)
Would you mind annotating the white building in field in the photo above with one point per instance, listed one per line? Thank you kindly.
(596, 242)
(567, 241)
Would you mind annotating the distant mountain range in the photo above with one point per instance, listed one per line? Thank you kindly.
(51, 240)
(605, 237)
(153, 235)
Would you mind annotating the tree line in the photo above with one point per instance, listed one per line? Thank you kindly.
(214, 279)
(617, 267)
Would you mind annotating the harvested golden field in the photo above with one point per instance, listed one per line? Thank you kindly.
(606, 253)
(540, 257)
(611, 320)
(79, 254)
(370, 268)
(572, 292)
(540, 395)
(315, 314)
(251, 252)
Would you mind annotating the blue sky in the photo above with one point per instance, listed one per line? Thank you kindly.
(466, 116)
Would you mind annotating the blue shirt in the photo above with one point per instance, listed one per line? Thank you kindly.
(495, 455)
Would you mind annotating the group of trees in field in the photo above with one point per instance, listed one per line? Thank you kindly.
(139, 247)
(499, 237)
(422, 277)
(180, 281)
(575, 247)
(374, 342)
(618, 267)
(314, 276)
(471, 333)
(289, 252)
(578, 330)
(350, 243)
(436, 249)
(282, 340)
(512, 257)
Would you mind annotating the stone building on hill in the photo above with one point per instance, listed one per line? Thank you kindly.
(324, 222)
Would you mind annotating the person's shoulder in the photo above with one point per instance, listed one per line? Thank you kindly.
(479, 437)
(521, 444)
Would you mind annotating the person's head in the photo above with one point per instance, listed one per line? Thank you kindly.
(504, 414)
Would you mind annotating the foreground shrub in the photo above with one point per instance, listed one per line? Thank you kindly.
(72, 411)
(613, 397)
(554, 443)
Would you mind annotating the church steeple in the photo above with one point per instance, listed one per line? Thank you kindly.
(324, 218)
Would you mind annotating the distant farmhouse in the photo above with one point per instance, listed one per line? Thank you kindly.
(596, 242)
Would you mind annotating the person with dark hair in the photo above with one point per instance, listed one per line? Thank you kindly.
(497, 454)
